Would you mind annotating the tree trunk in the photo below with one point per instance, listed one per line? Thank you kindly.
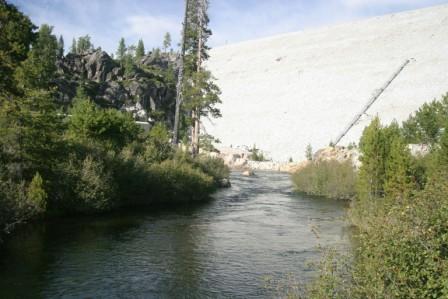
(180, 78)
(196, 110)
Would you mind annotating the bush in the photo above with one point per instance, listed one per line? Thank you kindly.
(331, 179)
(172, 181)
(20, 203)
(158, 147)
(213, 167)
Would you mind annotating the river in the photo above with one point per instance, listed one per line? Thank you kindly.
(225, 248)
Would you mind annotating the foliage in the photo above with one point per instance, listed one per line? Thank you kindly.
(426, 124)
(60, 46)
(39, 68)
(90, 161)
(158, 146)
(88, 121)
(166, 41)
(73, 47)
(256, 154)
(140, 51)
(207, 141)
(36, 194)
(121, 51)
(331, 179)
(309, 152)
(401, 243)
(15, 40)
(213, 167)
(84, 44)
(30, 135)
(178, 181)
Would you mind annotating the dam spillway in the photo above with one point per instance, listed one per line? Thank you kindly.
(287, 91)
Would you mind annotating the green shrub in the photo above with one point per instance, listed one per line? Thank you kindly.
(331, 179)
(20, 203)
(172, 181)
(213, 167)
(256, 154)
(158, 147)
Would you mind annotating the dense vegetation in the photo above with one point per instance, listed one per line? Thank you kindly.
(95, 160)
(401, 215)
(331, 179)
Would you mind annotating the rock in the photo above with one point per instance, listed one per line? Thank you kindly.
(225, 183)
(143, 92)
(338, 153)
(419, 150)
(248, 172)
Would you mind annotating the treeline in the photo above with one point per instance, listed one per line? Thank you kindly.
(92, 161)
(401, 214)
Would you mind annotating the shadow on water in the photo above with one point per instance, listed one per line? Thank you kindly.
(223, 248)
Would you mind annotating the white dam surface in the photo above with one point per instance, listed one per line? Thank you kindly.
(284, 92)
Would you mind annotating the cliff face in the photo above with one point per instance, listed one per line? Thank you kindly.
(148, 91)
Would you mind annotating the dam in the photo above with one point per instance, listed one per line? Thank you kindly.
(284, 92)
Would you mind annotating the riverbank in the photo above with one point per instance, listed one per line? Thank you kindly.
(230, 246)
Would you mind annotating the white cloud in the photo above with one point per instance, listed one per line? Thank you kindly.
(151, 28)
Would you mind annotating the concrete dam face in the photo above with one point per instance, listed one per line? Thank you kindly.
(285, 92)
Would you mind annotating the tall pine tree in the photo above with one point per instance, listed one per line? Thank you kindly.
(201, 93)
(39, 68)
(60, 46)
(139, 51)
(73, 49)
(121, 51)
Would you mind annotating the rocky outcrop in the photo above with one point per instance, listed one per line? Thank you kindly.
(338, 153)
(147, 91)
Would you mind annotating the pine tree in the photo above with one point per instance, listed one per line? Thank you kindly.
(84, 44)
(397, 178)
(73, 49)
(202, 94)
(166, 41)
(16, 36)
(139, 52)
(180, 75)
(309, 152)
(61, 46)
(121, 51)
(39, 68)
(36, 194)
(372, 170)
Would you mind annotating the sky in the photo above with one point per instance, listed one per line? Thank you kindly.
(106, 21)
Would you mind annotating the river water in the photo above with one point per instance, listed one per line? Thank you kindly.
(225, 248)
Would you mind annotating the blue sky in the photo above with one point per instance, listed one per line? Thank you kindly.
(106, 21)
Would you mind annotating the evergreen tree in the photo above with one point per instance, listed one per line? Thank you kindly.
(36, 194)
(73, 49)
(39, 68)
(397, 183)
(31, 130)
(201, 94)
(128, 64)
(139, 52)
(443, 150)
(84, 44)
(60, 46)
(16, 36)
(166, 41)
(372, 170)
(426, 124)
(121, 51)
(309, 152)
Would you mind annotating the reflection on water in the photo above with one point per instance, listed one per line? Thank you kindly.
(224, 248)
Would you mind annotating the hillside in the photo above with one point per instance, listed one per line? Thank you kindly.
(284, 92)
